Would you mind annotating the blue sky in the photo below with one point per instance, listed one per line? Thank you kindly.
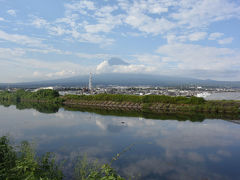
(42, 40)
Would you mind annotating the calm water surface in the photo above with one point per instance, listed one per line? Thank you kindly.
(164, 149)
(224, 96)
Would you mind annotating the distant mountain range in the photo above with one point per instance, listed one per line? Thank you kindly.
(126, 80)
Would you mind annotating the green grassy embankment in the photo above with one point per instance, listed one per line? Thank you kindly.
(148, 103)
(153, 103)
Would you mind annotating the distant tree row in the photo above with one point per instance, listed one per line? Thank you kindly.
(44, 94)
(47, 94)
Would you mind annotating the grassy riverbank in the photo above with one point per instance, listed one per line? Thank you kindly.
(136, 99)
(148, 103)
(153, 103)
(180, 116)
(126, 112)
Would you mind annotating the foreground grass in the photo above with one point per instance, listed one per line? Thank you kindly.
(21, 163)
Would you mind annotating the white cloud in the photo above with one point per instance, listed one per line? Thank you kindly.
(106, 10)
(106, 22)
(57, 30)
(48, 50)
(73, 29)
(201, 13)
(11, 12)
(157, 26)
(137, 17)
(95, 38)
(173, 38)
(35, 70)
(149, 6)
(190, 56)
(6, 53)
(214, 36)
(39, 22)
(170, 38)
(80, 6)
(19, 67)
(36, 74)
(225, 41)
(179, 22)
(187, 14)
(2, 19)
(132, 68)
(197, 36)
(201, 61)
(89, 21)
(62, 73)
(23, 51)
(51, 66)
(93, 56)
(104, 67)
(98, 28)
(70, 20)
(149, 59)
(21, 39)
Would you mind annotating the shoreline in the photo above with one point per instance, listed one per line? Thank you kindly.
(154, 107)
(123, 110)
(148, 103)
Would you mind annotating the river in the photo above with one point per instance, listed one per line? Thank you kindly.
(161, 149)
(224, 96)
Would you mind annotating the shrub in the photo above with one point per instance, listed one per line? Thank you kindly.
(22, 163)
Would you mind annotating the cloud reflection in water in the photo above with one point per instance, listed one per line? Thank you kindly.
(168, 149)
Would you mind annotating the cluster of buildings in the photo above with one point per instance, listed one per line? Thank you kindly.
(144, 90)
(187, 91)
(137, 90)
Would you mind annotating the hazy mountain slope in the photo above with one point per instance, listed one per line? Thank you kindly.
(126, 79)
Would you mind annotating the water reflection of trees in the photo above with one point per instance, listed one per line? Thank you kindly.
(40, 107)
(194, 117)
(53, 108)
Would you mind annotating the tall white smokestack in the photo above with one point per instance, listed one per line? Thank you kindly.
(90, 82)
